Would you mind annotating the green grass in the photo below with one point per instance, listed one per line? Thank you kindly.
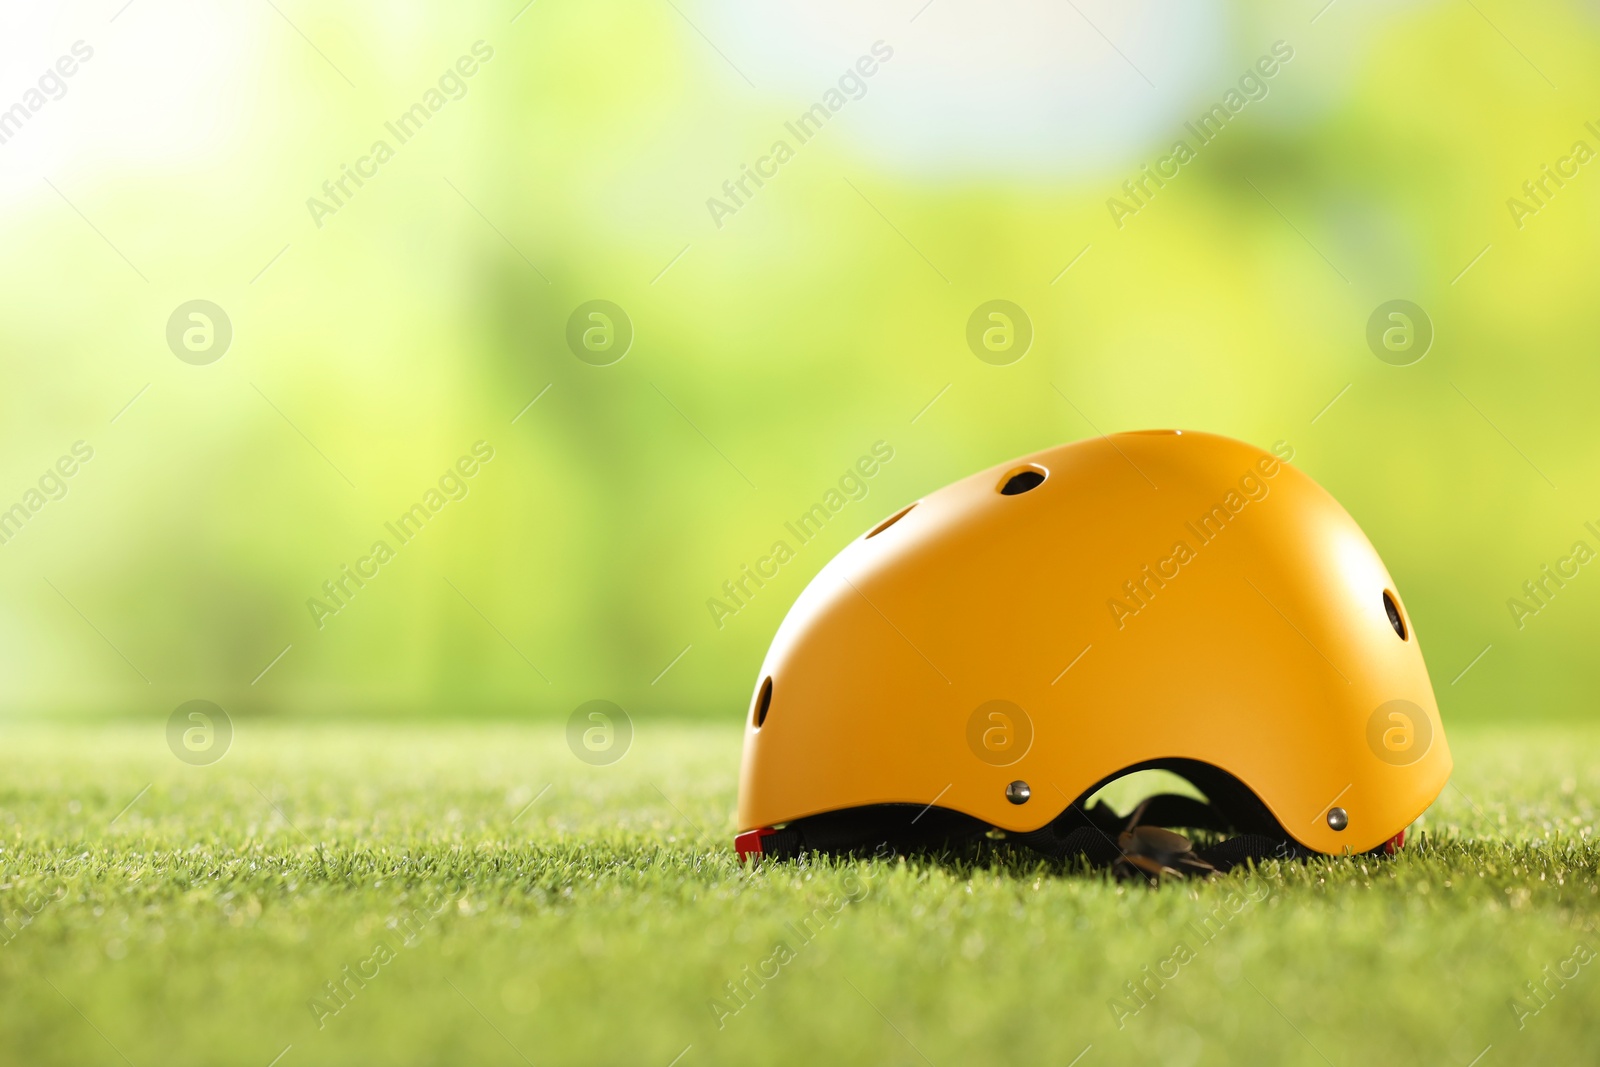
(601, 924)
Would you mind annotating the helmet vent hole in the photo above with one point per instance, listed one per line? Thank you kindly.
(763, 702)
(1020, 481)
(890, 521)
(1391, 609)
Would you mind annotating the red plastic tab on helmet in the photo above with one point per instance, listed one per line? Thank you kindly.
(749, 843)
(1395, 843)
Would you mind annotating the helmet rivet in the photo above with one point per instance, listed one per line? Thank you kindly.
(1018, 792)
(1337, 818)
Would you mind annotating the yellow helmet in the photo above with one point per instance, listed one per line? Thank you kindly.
(992, 655)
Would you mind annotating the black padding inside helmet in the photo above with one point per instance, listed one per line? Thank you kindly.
(1172, 809)
(1094, 843)
(877, 829)
(1235, 805)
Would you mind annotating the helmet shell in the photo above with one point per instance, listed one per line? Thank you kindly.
(1158, 595)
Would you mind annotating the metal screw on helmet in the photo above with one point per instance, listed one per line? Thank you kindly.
(1018, 792)
(1337, 818)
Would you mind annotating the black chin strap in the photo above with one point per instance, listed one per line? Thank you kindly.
(1141, 845)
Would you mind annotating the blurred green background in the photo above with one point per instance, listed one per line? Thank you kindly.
(768, 353)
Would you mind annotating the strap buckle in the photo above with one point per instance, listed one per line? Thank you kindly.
(748, 843)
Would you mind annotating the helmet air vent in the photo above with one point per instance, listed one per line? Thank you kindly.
(891, 520)
(763, 702)
(1391, 609)
(1023, 479)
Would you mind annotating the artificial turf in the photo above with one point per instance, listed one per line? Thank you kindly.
(476, 895)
